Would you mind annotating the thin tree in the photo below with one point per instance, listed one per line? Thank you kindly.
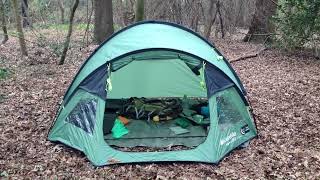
(61, 7)
(67, 41)
(4, 23)
(19, 28)
(103, 20)
(139, 14)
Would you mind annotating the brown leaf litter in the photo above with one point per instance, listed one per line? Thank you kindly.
(284, 91)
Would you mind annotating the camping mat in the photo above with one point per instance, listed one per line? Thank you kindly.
(157, 134)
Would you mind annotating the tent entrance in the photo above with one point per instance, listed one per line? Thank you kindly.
(162, 77)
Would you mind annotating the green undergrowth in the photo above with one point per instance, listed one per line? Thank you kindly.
(63, 27)
(4, 73)
(2, 98)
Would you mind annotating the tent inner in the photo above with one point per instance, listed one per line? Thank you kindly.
(152, 74)
(156, 76)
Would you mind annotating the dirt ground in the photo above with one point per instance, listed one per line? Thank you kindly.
(284, 90)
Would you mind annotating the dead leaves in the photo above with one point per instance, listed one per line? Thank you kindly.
(285, 95)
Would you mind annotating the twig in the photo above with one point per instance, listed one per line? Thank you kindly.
(261, 34)
(247, 56)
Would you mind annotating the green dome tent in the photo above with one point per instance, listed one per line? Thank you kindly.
(154, 59)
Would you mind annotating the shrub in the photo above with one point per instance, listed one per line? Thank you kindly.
(297, 23)
(4, 73)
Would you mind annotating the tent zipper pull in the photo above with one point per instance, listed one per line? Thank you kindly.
(109, 84)
(219, 58)
(202, 82)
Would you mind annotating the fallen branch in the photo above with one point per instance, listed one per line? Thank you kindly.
(248, 56)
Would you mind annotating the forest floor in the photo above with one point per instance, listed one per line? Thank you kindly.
(285, 95)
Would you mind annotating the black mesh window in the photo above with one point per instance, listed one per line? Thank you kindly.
(228, 112)
(83, 115)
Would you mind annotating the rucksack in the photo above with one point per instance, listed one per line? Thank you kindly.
(142, 108)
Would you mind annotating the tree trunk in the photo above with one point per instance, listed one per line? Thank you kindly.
(212, 14)
(86, 33)
(4, 23)
(19, 28)
(67, 42)
(128, 12)
(61, 7)
(103, 20)
(260, 23)
(220, 18)
(139, 14)
(177, 15)
(25, 14)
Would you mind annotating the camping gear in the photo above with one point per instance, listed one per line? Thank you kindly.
(111, 113)
(119, 129)
(154, 60)
(197, 118)
(158, 118)
(124, 120)
(142, 108)
(205, 111)
(193, 116)
(109, 118)
(179, 130)
(182, 122)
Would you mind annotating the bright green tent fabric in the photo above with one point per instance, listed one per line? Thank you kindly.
(150, 79)
(151, 35)
(138, 68)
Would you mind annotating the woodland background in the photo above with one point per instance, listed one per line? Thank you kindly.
(272, 44)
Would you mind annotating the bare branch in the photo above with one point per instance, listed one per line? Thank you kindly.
(247, 56)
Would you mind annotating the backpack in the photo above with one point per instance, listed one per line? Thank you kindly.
(156, 109)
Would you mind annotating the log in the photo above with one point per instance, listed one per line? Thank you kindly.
(248, 56)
